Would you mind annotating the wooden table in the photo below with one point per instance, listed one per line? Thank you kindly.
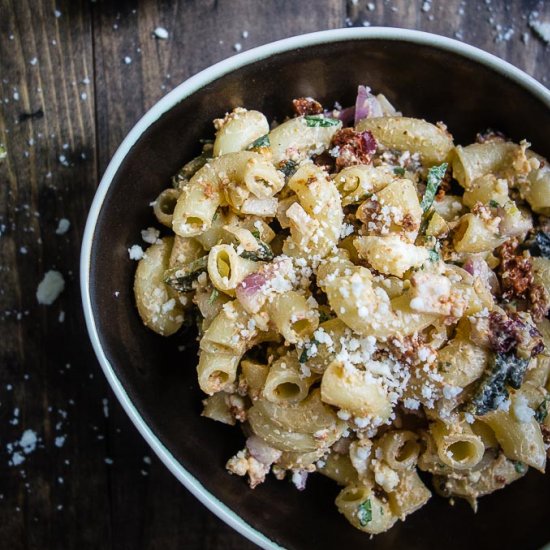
(75, 75)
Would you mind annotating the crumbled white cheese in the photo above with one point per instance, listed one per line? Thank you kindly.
(135, 252)
(50, 287)
(521, 409)
(150, 235)
(161, 32)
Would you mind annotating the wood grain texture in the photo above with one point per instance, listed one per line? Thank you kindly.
(72, 83)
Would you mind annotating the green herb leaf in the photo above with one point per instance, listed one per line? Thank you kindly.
(520, 467)
(288, 168)
(540, 245)
(494, 204)
(256, 234)
(323, 316)
(304, 356)
(316, 120)
(542, 410)
(504, 369)
(181, 277)
(3, 152)
(399, 171)
(435, 177)
(213, 296)
(434, 255)
(364, 512)
(262, 141)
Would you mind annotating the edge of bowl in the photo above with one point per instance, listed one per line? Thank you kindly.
(185, 89)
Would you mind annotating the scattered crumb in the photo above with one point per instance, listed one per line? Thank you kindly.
(237, 47)
(33, 61)
(57, 13)
(161, 32)
(61, 317)
(541, 29)
(127, 60)
(135, 252)
(50, 287)
(62, 226)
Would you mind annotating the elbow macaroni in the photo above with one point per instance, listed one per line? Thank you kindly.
(364, 322)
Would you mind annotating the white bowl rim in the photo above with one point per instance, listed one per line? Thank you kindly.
(182, 91)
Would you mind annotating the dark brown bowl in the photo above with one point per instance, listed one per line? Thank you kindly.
(424, 76)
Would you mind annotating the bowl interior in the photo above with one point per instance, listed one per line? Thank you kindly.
(160, 378)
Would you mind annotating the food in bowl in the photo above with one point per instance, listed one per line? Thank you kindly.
(371, 301)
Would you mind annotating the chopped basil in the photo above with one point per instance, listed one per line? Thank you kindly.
(3, 152)
(316, 120)
(262, 141)
(364, 512)
(520, 467)
(181, 277)
(540, 245)
(494, 204)
(399, 171)
(435, 177)
(434, 255)
(542, 410)
(262, 254)
(323, 316)
(213, 296)
(505, 369)
(288, 168)
(304, 355)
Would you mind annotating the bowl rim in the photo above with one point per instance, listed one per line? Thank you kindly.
(183, 90)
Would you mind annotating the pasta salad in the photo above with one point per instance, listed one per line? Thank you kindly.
(371, 301)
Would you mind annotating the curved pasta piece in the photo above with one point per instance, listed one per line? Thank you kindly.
(316, 219)
(295, 140)
(364, 510)
(223, 180)
(238, 130)
(354, 183)
(457, 445)
(432, 143)
(355, 391)
(285, 382)
(390, 254)
(158, 306)
(227, 269)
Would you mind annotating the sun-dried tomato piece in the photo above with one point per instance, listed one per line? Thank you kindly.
(353, 147)
(516, 271)
(306, 106)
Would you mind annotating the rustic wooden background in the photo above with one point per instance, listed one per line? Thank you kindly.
(75, 75)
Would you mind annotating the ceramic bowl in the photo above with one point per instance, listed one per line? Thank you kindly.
(422, 74)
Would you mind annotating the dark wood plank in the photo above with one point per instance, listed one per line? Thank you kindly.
(96, 490)
(47, 69)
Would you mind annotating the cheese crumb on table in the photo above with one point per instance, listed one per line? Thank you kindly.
(62, 226)
(161, 32)
(50, 287)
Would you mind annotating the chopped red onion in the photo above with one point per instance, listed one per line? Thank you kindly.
(478, 267)
(368, 142)
(366, 104)
(261, 451)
